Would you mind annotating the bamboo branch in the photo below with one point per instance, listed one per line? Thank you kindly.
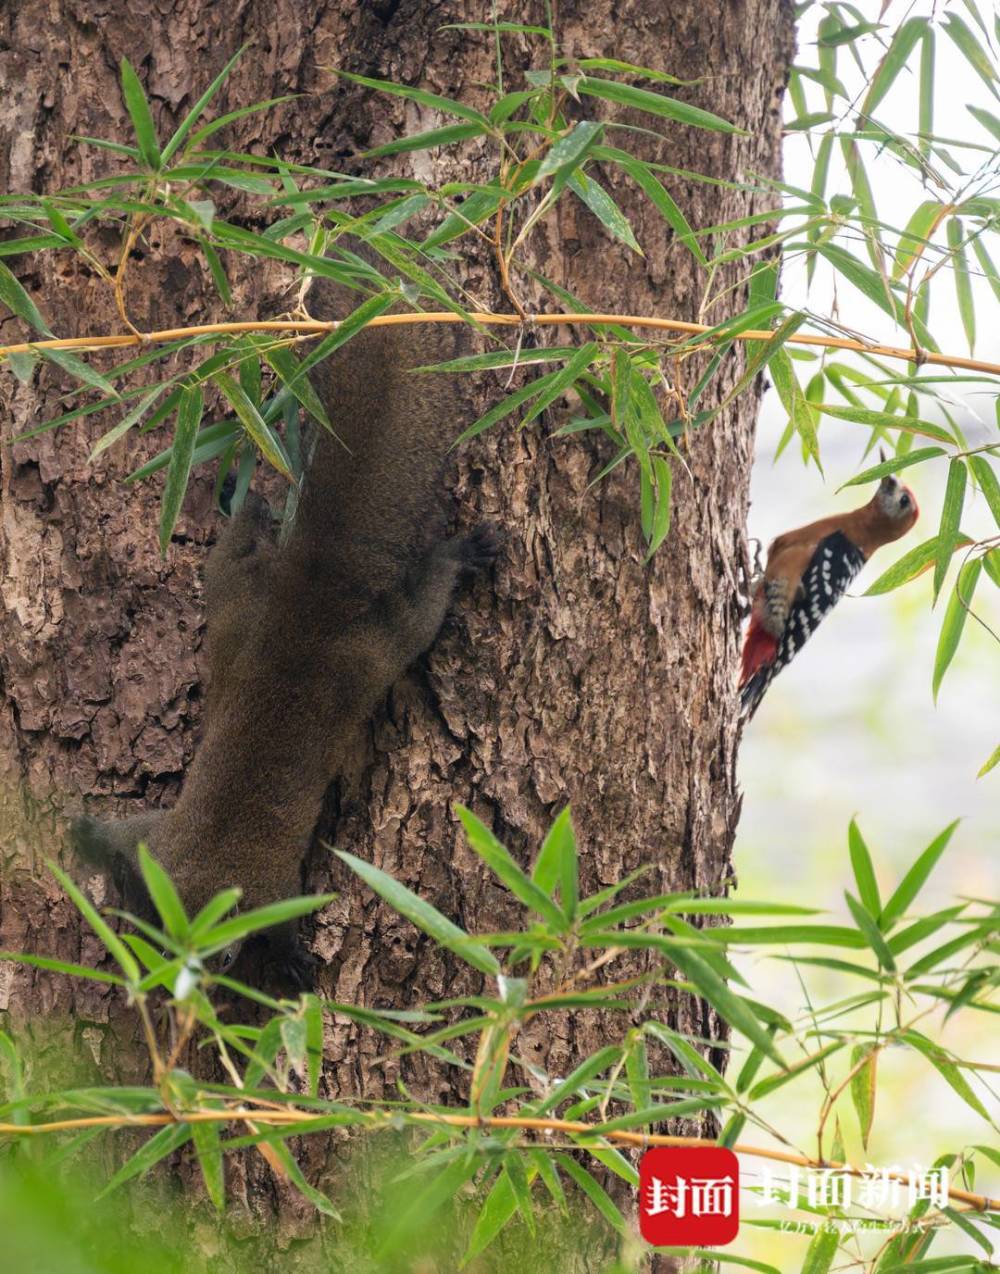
(305, 327)
(980, 1202)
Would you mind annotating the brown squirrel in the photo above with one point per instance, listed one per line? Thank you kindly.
(306, 638)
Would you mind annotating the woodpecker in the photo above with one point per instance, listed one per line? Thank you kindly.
(808, 571)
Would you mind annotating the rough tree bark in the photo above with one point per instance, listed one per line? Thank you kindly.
(579, 675)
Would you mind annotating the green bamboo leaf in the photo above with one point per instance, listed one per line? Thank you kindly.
(274, 913)
(13, 295)
(497, 1209)
(660, 525)
(181, 454)
(446, 105)
(801, 412)
(196, 111)
(970, 48)
(864, 869)
(99, 925)
(429, 140)
(81, 369)
(923, 928)
(821, 1251)
(595, 1192)
(165, 898)
(869, 282)
(947, 1069)
(885, 420)
(731, 1007)
(557, 863)
(951, 515)
(991, 762)
(570, 149)
(503, 865)
(162, 1143)
(655, 104)
(126, 423)
(208, 1148)
(563, 380)
(62, 966)
(288, 369)
(506, 406)
(984, 474)
(963, 283)
(660, 198)
(420, 913)
(986, 265)
(604, 208)
(916, 236)
(954, 620)
(142, 118)
(915, 878)
(213, 911)
(871, 932)
(787, 1073)
(895, 465)
(910, 565)
(474, 210)
(895, 58)
(863, 1087)
(253, 423)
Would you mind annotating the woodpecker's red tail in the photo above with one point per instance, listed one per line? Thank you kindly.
(759, 648)
(760, 651)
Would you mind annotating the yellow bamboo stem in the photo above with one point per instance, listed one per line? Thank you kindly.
(981, 1202)
(306, 327)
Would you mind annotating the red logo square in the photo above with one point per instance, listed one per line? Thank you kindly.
(689, 1196)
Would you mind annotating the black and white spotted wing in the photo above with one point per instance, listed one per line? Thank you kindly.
(829, 574)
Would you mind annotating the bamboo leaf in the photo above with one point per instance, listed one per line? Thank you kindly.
(863, 1086)
(99, 925)
(910, 565)
(208, 1148)
(604, 208)
(420, 913)
(181, 455)
(963, 284)
(916, 236)
(165, 897)
(885, 420)
(661, 512)
(821, 1251)
(895, 465)
(142, 118)
(502, 864)
(570, 149)
(446, 105)
(655, 104)
(13, 295)
(162, 1143)
(896, 57)
(429, 140)
(951, 515)
(595, 1192)
(252, 421)
(864, 869)
(954, 620)
(197, 110)
(915, 878)
(871, 932)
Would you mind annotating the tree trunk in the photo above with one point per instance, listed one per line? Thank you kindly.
(578, 674)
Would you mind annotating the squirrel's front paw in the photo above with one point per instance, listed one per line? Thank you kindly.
(479, 549)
